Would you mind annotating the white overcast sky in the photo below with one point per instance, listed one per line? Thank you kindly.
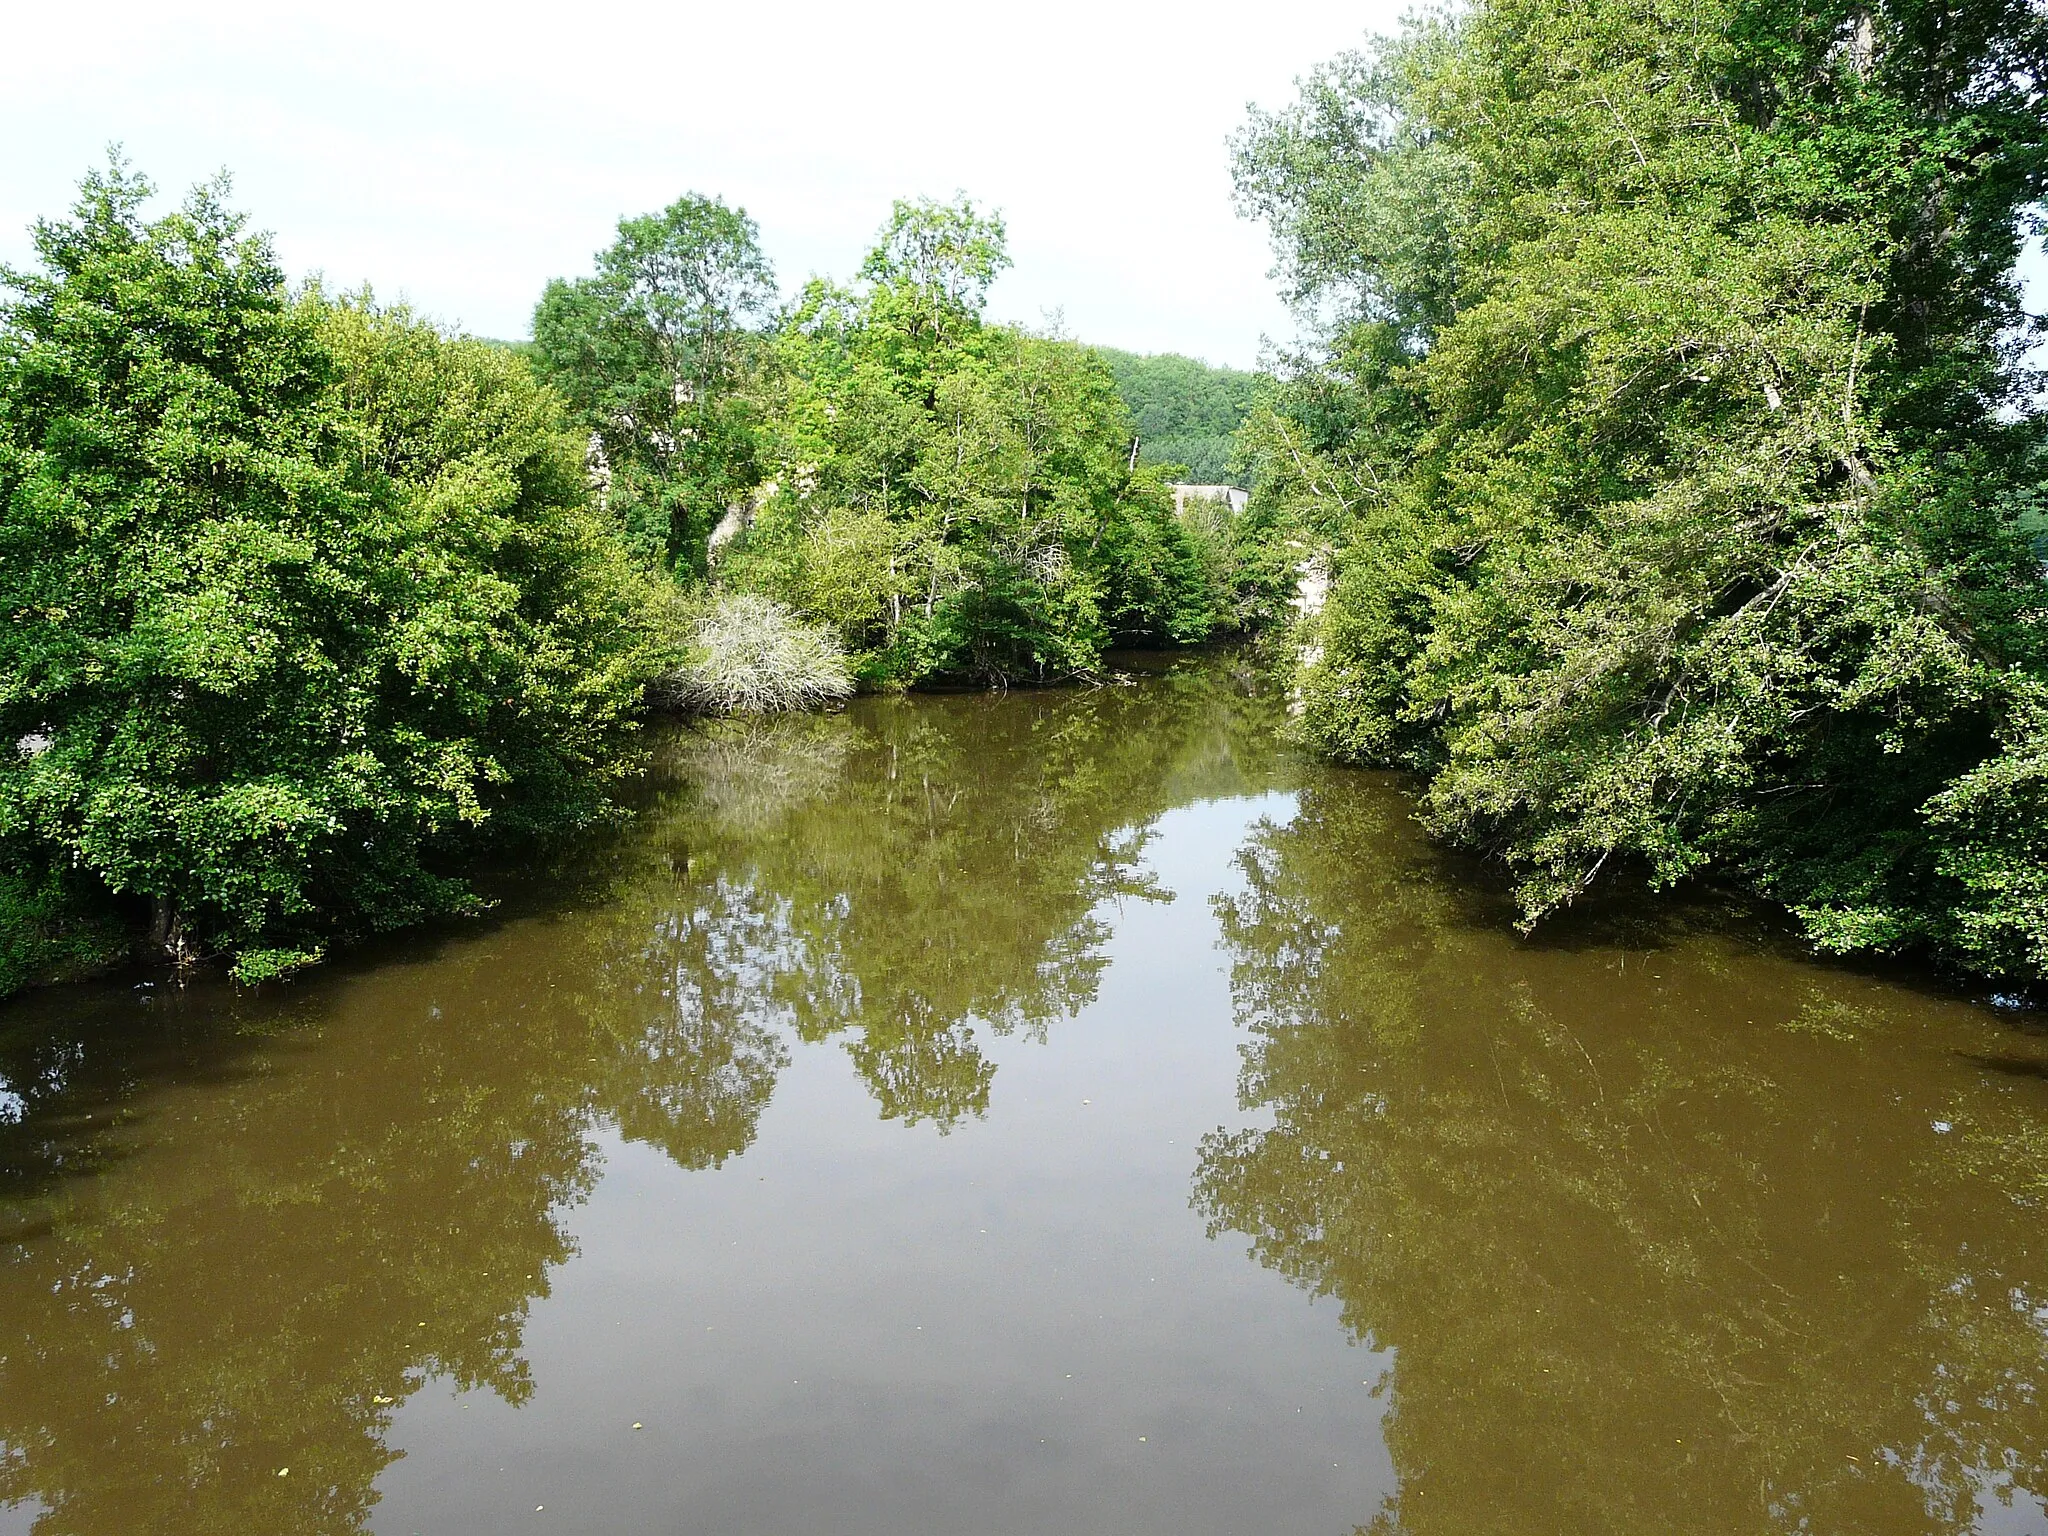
(460, 156)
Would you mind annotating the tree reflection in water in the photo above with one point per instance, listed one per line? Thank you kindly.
(948, 873)
(238, 1229)
(1669, 1236)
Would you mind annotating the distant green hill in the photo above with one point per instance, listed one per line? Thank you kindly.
(1186, 410)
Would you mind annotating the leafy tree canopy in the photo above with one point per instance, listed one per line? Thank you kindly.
(1671, 422)
(955, 495)
(653, 352)
(304, 602)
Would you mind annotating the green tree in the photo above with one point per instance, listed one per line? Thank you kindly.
(305, 604)
(654, 352)
(957, 496)
(932, 267)
(1672, 422)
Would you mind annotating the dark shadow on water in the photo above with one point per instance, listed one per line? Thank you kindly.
(2011, 1066)
(1625, 913)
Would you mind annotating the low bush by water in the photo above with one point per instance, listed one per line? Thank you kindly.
(749, 655)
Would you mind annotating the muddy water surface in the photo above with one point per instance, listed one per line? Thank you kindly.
(1047, 1113)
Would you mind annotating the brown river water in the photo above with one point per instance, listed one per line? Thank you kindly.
(1050, 1113)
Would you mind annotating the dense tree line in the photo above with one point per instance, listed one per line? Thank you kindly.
(954, 498)
(1671, 426)
(304, 601)
(1186, 412)
(312, 607)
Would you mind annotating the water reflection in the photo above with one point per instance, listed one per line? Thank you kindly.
(237, 1230)
(1664, 1232)
(210, 1334)
(927, 869)
(1677, 1237)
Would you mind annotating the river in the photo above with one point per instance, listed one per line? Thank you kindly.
(1054, 1112)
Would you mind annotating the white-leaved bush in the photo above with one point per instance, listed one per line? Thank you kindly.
(749, 654)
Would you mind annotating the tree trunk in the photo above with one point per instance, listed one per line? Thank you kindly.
(167, 931)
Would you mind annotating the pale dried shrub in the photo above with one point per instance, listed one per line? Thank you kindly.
(749, 654)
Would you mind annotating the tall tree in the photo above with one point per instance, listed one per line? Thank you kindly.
(933, 264)
(1672, 418)
(652, 352)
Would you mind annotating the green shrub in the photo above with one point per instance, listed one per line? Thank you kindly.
(51, 931)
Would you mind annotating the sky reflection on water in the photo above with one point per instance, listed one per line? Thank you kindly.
(1049, 1112)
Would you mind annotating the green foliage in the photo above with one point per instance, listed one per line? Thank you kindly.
(51, 929)
(654, 353)
(304, 602)
(1672, 424)
(956, 496)
(1254, 558)
(1185, 412)
(932, 267)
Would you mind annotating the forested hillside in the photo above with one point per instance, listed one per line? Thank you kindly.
(1671, 426)
(1185, 411)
